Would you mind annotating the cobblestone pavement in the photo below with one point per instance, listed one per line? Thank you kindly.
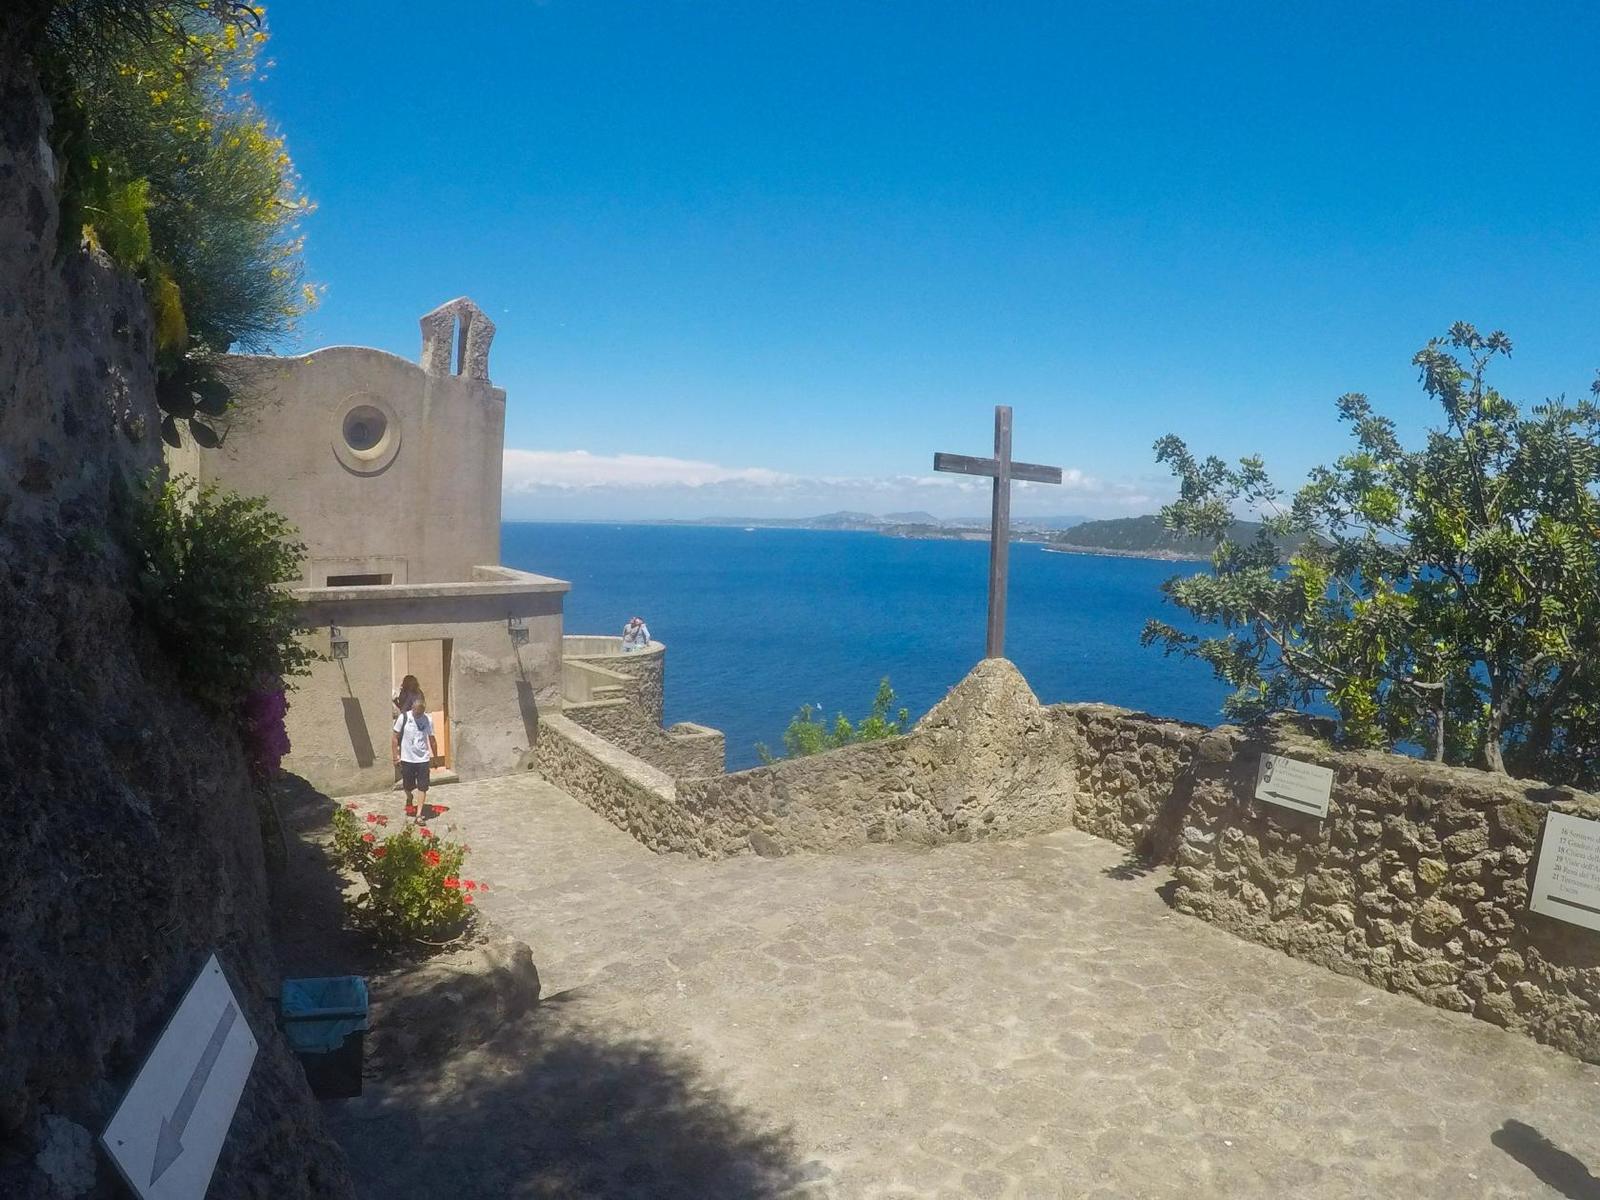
(986, 1020)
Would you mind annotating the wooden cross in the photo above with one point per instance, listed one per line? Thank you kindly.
(1002, 470)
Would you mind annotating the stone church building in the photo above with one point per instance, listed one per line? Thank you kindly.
(391, 472)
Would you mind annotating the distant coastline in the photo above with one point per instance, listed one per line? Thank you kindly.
(1117, 537)
(1104, 552)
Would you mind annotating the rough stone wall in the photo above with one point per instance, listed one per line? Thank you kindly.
(631, 720)
(987, 761)
(1417, 880)
(686, 751)
(647, 668)
(133, 840)
(698, 751)
(1133, 773)
(626, 791)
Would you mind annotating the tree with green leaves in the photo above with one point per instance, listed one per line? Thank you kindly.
(808, 733)
(1447, 595)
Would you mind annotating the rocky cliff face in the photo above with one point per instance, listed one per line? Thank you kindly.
(131, 837)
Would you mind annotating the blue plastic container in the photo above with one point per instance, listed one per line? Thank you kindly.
(325, 1022)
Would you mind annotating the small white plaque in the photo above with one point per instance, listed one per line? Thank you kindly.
(1567, 883)
(168, 1131)
(1297, 786)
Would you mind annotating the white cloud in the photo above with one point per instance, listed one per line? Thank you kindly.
(559, 484)
(532, 470)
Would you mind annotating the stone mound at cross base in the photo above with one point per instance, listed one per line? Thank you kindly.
(990, 738)
(987, 761)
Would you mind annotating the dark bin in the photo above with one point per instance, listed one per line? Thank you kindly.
(325, 1021)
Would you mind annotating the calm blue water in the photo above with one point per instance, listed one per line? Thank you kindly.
(758, 623)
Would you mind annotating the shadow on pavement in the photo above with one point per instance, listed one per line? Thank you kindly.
(1554, 1166)
(560, 1103)
(475, 1087)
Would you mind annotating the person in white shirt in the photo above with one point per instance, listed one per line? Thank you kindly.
(414, 747)
(635, 635)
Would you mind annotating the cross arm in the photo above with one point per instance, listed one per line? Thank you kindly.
(962, 464)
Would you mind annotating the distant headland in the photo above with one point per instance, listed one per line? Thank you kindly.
(1118, 537)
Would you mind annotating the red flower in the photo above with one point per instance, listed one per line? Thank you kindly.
(441, 808)
(427, 833)
(371, 817)
(431, 857)
(471, 885)
(382, 820)
(352, 806)
(483, 887)
(452, 883)
(380, 852)
(411, 810)
(366, 837)
(467, 898)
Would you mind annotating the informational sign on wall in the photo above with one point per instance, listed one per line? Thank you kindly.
(1289, 783)
(168, 1131)
(1567, 883)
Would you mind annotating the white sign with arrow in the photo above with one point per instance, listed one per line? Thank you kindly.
(168, 1131)
(1295, 785)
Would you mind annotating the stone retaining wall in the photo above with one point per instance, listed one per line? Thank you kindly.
(988, 761)
(1417, 880)
(685, 751)
(1132, 771)
(647, 668)
(626, 791)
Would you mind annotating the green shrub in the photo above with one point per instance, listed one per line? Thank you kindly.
(807, 733)
(210, 568)
(414, 886)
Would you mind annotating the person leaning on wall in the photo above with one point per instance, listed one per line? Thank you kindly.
(635, 635)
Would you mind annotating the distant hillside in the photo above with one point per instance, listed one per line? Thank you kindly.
(1144, 536)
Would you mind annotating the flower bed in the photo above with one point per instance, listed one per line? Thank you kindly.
(415, 889)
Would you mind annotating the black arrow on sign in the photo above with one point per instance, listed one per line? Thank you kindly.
(169, 1142)
(1294, 800)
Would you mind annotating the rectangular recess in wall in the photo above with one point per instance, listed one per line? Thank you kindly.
(359, 580)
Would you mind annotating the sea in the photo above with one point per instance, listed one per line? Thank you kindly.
(759, 621)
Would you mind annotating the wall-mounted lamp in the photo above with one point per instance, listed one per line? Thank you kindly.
(338, 644)
(518, 628)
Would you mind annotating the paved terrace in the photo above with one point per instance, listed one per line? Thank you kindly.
(998, 1019)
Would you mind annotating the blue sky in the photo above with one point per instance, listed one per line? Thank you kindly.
(766, 257)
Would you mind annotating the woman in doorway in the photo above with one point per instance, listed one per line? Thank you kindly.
(409, 691)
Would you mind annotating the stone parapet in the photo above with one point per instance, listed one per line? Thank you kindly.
(1417, 880)
(625, 790)
(685, 751)
(647, 668)
(987, 761)
(621, 697)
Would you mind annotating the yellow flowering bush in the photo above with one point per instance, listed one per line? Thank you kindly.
(173, 170)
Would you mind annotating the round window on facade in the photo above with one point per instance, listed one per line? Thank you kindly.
(364, 427)
(366, 434)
